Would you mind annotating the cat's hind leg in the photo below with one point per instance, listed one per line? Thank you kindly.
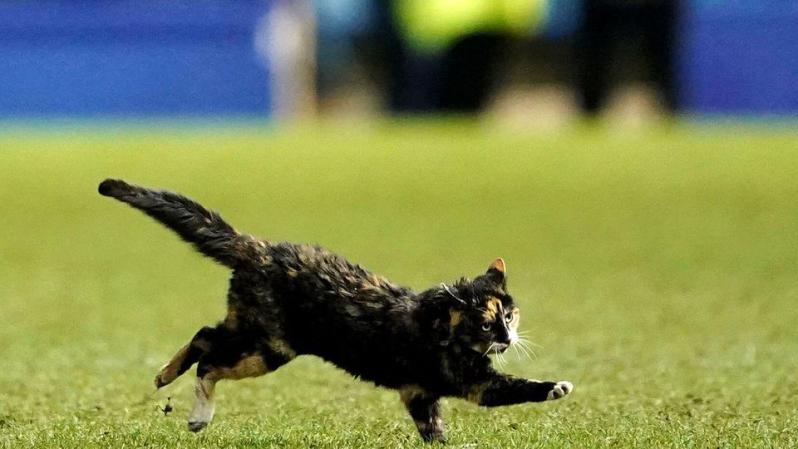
(186, 356)
(216, 366)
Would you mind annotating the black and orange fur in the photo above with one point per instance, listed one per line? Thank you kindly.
(287, 300)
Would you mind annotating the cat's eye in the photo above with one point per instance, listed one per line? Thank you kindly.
(508, 317)
(486, 327)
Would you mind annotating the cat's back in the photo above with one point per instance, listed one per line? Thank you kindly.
(314, 270)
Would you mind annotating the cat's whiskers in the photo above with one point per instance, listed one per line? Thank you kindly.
(526, 351)
(525, 345)
(519, 349)
(446, 287)
(525, 335)
(518, 353)
(501, 360)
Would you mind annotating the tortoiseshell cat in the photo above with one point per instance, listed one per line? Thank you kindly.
(286, 300)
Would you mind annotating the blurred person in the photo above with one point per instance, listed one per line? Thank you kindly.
(607, 28)
(318, 54)
(344, 28)
(285, 39)
(450, 50)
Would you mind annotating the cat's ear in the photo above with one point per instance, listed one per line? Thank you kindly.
(497, 271)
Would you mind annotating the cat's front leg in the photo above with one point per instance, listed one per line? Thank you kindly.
(501, 389)
(425, 409)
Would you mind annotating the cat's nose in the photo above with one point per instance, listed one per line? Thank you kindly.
(504, 338)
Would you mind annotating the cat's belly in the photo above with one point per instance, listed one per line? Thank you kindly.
(386, 358)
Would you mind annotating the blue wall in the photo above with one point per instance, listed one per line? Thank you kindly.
(92, 58)
(178, 57)
(740, 57)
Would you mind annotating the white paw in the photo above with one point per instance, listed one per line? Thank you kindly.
(560, 389)
(196, 426)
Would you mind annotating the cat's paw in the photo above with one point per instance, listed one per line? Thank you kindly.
(165, 376)
(196, 426)
(559, 390)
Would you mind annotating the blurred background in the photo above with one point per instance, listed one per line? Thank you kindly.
(539, 61)
(635, 162)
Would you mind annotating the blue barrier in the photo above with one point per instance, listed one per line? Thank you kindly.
(197, 58)
(740, 57)
(121, 57)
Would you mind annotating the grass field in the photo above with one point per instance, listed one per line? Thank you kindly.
(658, 272)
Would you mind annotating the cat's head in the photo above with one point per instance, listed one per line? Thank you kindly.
(481, 313)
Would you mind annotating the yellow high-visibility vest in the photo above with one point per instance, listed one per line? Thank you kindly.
(432, 25)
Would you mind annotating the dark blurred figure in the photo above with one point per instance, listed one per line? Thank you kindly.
(392, 53)
(469, 72)
(609, 26)
(457, 79)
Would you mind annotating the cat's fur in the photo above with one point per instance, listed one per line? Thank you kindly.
(287, 299)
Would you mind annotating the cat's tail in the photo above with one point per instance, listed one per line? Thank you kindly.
(205, 229)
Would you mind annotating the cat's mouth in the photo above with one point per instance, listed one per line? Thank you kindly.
(499, 348)
(493, 348)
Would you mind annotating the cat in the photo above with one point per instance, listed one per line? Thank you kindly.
(287, 300)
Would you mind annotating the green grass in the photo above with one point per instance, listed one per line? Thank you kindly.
(658, 271)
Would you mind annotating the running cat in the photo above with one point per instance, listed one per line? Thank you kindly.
(287, 300)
